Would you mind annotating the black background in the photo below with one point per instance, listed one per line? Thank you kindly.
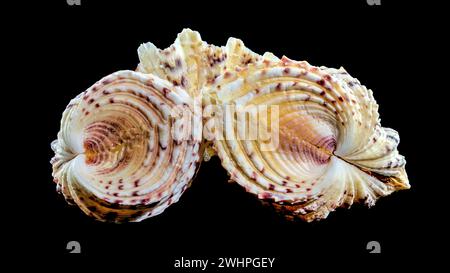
(68, 48)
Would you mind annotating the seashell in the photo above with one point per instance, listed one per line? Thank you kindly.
(322, 146)
(304, 139)
(128, 147)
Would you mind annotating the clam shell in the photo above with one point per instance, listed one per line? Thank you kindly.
(128, 147)
(331, 150)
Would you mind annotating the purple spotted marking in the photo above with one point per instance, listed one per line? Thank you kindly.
(106, 81)
(278, 87)
(321, 82)
(266, 195)
(178, 63)
(165, 91)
